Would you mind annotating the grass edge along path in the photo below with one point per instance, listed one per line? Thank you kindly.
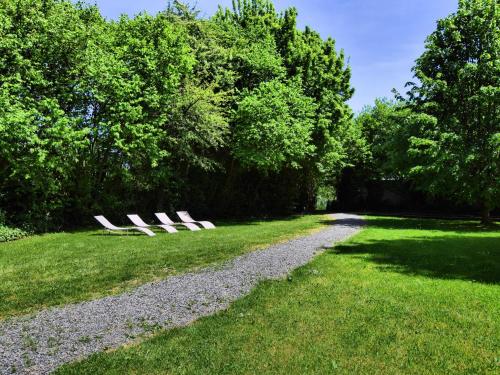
(61, 268)
(57, 336)
(403, 296)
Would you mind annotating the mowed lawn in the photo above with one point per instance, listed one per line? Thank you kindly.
(61, 268)
(405, 296)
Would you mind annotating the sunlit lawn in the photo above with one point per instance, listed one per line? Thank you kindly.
(402, 297)
(56, 269)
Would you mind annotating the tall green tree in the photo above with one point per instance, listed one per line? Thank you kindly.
(166, 111)
(458, 153)
(42, 61)
(324, 77)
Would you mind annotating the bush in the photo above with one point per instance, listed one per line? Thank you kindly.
(11, 234)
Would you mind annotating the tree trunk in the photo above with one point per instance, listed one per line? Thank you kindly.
(311, 203)
(311, 196)
(485, 215)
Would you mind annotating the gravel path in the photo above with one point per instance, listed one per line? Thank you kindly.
(39, 343)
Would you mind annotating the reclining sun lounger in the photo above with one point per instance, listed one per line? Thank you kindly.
(141, 224)
(186, 218)
(110, 227)
(167, 221)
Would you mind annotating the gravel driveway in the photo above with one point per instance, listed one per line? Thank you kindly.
(37, 344)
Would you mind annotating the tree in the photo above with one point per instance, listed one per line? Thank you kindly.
(166, 110)
(273, 126)
(326, 78)
(378, 124)
(42, 48)
(459, 152)
(323, 76)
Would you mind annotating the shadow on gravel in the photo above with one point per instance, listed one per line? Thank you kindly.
(348, 222)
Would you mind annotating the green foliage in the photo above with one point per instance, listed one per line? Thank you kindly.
(377, 125)
(458, 153)
(326, 79)
(389, 130)
(443, 139)
(142, 112)
(41, 61)
(273, 126)
(171, 110)
(11, 234)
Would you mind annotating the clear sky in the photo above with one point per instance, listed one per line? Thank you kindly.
(382, 38)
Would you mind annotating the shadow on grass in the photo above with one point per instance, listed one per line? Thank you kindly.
(117, 234)
(219, 224)
(449, 225)
(472, 258)
(269, 219)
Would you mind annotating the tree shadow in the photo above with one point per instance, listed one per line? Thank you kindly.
(445, 225)
(348, 222)
(472, 257)
(117, 234)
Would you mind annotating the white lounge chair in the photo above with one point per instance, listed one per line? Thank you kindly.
(110, 227)
(136, 219)
(186, 218)
(164, 219)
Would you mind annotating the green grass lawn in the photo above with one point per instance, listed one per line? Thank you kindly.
(404, 296)
(56, 269)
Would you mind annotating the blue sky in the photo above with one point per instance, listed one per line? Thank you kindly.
(382, 38)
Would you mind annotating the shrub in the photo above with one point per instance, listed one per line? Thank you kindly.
(11, 234)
